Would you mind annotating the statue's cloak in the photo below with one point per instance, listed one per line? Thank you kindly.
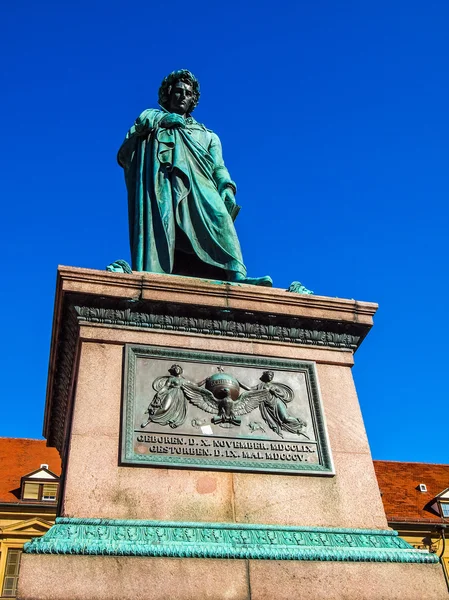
(174, 178)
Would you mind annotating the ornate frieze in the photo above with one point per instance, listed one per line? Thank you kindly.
(223, 540)
(227, 325)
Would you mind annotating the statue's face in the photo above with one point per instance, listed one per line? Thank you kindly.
(113, 268)
(181, 98)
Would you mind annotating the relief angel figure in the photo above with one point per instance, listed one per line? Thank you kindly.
(274, 409)
(169, 405)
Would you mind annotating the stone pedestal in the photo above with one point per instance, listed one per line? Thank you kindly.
(166, 531)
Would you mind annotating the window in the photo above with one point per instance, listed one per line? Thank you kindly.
(49, 492)
(31, 491)
(40, 492)
(445, 509)
(11, 573)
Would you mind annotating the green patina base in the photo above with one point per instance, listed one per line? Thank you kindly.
(222, 540)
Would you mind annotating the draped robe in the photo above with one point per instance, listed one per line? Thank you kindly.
(174, 179)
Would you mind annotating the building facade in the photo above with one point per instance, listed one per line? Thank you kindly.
(416, 502)
(29, 487)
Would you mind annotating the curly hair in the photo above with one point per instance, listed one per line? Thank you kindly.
(170, 80)
(267, 375)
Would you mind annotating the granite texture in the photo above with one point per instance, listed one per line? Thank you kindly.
(178, 494)
(115, 491)
(274, 580)
(121, 335)
(112, 491)
(131, 578)
(347, 500)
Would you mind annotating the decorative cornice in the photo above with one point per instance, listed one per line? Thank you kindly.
(205, 292)
(223, 540)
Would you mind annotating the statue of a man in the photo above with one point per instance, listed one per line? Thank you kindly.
(180, 194)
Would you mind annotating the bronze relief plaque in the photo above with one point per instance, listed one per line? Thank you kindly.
(205, 410)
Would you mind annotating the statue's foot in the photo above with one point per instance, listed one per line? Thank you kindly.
(265, 281)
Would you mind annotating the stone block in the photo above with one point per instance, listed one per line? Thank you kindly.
(276, 580)
(131, 578)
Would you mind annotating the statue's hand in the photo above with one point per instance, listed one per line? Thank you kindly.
(227, 195)
(142, 126)
(172, 120)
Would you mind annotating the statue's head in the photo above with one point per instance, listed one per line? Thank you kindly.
(267, 376)
(175, 370)
(182, 81)
(119, 266)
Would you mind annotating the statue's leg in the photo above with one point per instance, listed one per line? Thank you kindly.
(189, 264)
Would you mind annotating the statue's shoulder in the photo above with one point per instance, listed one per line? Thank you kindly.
(192, 123)
(150, 117)
(150, 112)
(211, 134)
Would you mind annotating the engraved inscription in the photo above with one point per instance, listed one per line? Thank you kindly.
(226, 448)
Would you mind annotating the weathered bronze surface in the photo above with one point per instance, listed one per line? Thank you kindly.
(181, 197)
(214, 411)
(224, 540)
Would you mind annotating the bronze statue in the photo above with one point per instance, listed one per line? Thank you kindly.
(181, 197)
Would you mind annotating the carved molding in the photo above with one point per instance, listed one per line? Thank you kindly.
(223, 540)
(223, 326)
(62, 378)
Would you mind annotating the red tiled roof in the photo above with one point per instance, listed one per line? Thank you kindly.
(18, 457)
(399, 481)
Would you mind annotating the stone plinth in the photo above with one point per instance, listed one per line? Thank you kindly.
(107, 578)
(328, 546)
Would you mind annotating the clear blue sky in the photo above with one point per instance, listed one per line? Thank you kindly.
(334, 123)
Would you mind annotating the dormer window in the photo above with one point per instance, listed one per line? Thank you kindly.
(40, 486)
(40, 492)
(440, 504)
